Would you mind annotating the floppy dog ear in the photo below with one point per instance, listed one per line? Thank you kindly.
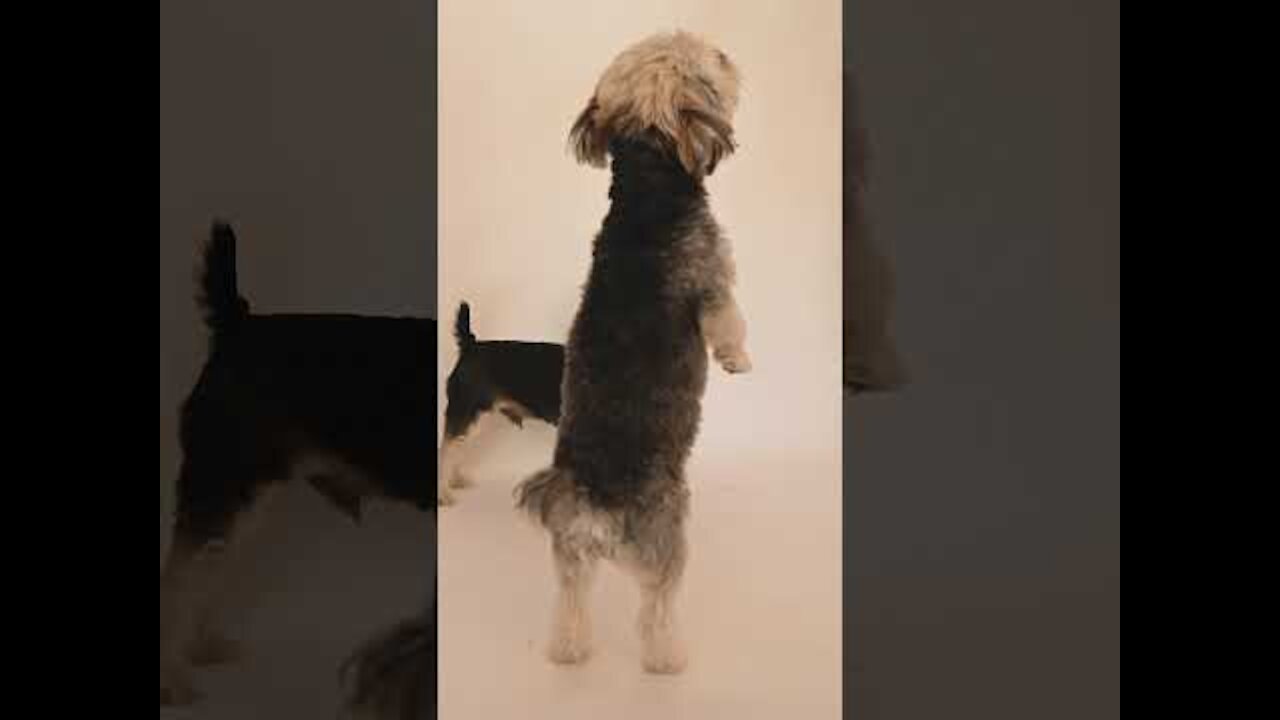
(588, 137)
(702, 140)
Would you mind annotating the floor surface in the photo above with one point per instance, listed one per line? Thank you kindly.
(761, 603)
(314, 589)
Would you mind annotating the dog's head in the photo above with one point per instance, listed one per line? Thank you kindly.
(675, 86)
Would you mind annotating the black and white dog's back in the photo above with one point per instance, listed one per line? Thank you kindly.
(348, 391)
(345, 402)
(525, 375)
(519, 379)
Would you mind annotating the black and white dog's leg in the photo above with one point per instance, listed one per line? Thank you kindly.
(211, 645)
(459, 427)
(181, 584)
(207, 533)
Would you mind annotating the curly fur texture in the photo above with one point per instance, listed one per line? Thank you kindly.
(658, 295)
(675, 85)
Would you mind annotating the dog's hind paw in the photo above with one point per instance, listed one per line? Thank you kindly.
(665, 658)
(460, 481)
(445, 499)
(568, 652)
(664, 665)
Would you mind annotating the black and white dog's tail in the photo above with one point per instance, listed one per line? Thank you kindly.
(462, 328)
(219, 297)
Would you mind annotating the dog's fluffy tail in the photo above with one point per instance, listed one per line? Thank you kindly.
(462, 328)
(393, 676)
(536, 495)
(554, 490)
(219, 297)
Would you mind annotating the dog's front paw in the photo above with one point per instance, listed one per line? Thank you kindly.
(460, 481)
(734, 360)
(444, 498)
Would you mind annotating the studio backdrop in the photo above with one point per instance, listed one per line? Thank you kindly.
(310, 127)
(761, 603)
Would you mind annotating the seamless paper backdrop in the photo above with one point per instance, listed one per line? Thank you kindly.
(517, 216)
(311, 126)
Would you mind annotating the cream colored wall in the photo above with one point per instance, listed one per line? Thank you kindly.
(517, 214)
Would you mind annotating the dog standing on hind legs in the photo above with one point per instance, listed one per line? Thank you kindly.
(659, 293)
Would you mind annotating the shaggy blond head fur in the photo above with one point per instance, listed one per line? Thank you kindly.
(675, 85)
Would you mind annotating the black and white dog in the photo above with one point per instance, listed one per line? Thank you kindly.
(520, 380)
(345, 402)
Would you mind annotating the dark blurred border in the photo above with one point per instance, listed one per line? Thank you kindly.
(982, 511)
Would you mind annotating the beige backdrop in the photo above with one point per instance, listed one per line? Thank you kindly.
(516, 219)
(517, 214)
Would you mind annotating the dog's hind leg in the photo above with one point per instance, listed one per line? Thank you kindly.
(179, 591)
(212, 524)
(448, 476)
(452, 450)
(663, 647)
(575, 565)
(656, 556)
(460, 424)
(211, 645)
